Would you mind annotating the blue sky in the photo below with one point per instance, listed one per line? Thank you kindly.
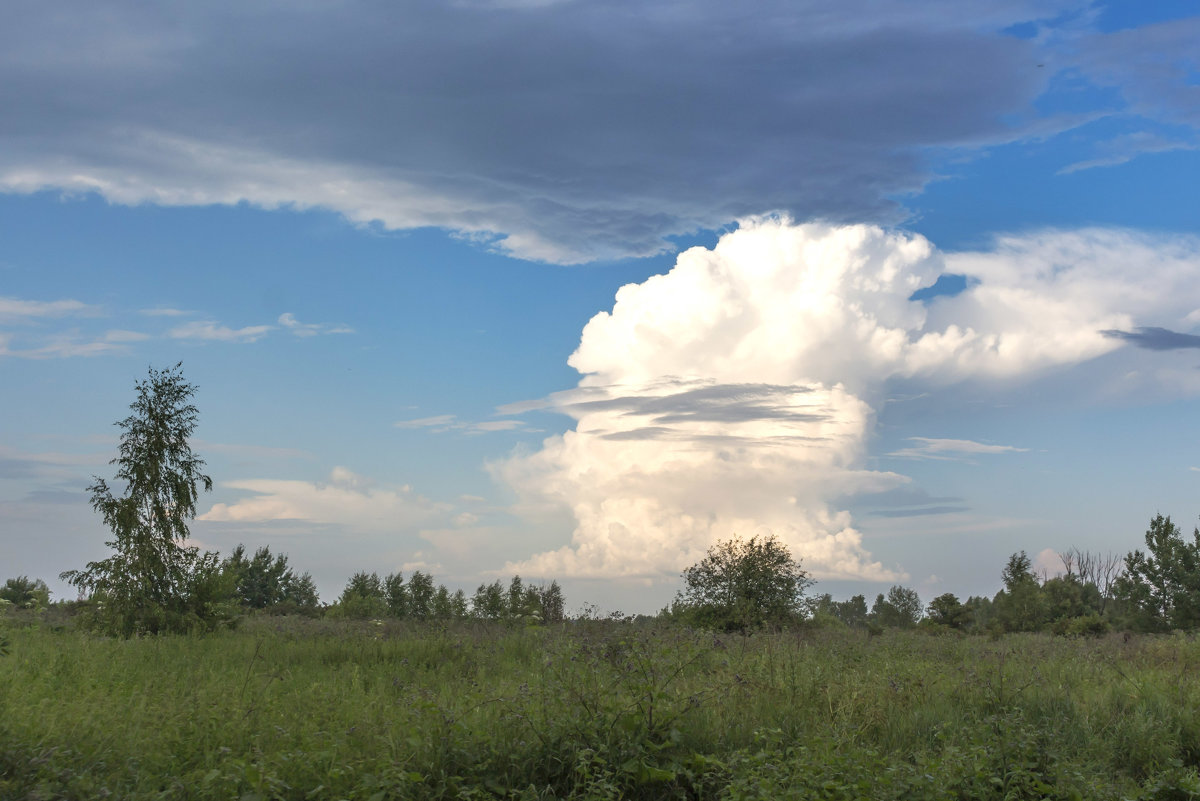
(375, 233)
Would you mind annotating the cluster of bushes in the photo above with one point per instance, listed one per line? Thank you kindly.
(368, 596)
(265, 583)
(900, 608)
(1069, 604)
(1156, 590)
(23, 592)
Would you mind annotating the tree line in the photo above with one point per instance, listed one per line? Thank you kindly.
(154, 582)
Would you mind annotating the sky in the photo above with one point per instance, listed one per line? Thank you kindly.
(574, 289)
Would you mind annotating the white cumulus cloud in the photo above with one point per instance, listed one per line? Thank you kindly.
(737, 393)
(346, 500)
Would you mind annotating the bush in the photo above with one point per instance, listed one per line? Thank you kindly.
(25, 593)
(743, 584)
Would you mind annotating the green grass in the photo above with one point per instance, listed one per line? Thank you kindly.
(320, 709)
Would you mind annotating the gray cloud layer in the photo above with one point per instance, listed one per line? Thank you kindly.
(563, 131)
(1152, 338)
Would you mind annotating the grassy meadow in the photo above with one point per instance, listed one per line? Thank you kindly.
(290, 708)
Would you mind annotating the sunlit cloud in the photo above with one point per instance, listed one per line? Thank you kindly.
(346, 500)
(737, 394)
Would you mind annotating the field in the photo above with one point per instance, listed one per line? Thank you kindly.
(286, 708)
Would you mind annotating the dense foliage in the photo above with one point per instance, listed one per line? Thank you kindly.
(25, 593)
(267, 582)
(743, 584)
(291, 708)
(368, 596)
(1162, 586)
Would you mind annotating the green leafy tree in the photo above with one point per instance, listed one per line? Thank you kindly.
(302, 595)
(901, 609)
(1066, 598)
(516, 599)
(743, 584)
(395, 595)
(261, 581)
(1160, 589)
(489, 602)
(947, 610)
(25, 593)
(443, 604)
(552, 603)
(459, 607)
(153, 582)
(363, 597)
(852, 612)
(1021, 605)
(420, 595)
(980, 611)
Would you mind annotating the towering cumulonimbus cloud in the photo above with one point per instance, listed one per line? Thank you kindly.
(736, 394)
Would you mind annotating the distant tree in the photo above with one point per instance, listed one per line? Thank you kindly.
(25, 593)
(744, 584)
(1065, 597)
(153, 582)
(524, 601)
(552, 603)
(900, 609)
(395, 596)
(947, 610)
(420, 595)
(261, 581)
(459, 608)
(516, 598)
(852, 612)
(980, 611)
(1018, 570)
(302, 592)
(1099, 571)
(1020, 606)
(1160, 589)
(489, 602)
(363, 597)
(442, 607)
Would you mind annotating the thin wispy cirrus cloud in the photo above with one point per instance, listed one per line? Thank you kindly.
(560, 131)
(210, 330)
(950, 449)
(165, 311)
(72, 344)
(442, 423)
(1124, 149)
(30, 340)
(35, 337)
(15, 310)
